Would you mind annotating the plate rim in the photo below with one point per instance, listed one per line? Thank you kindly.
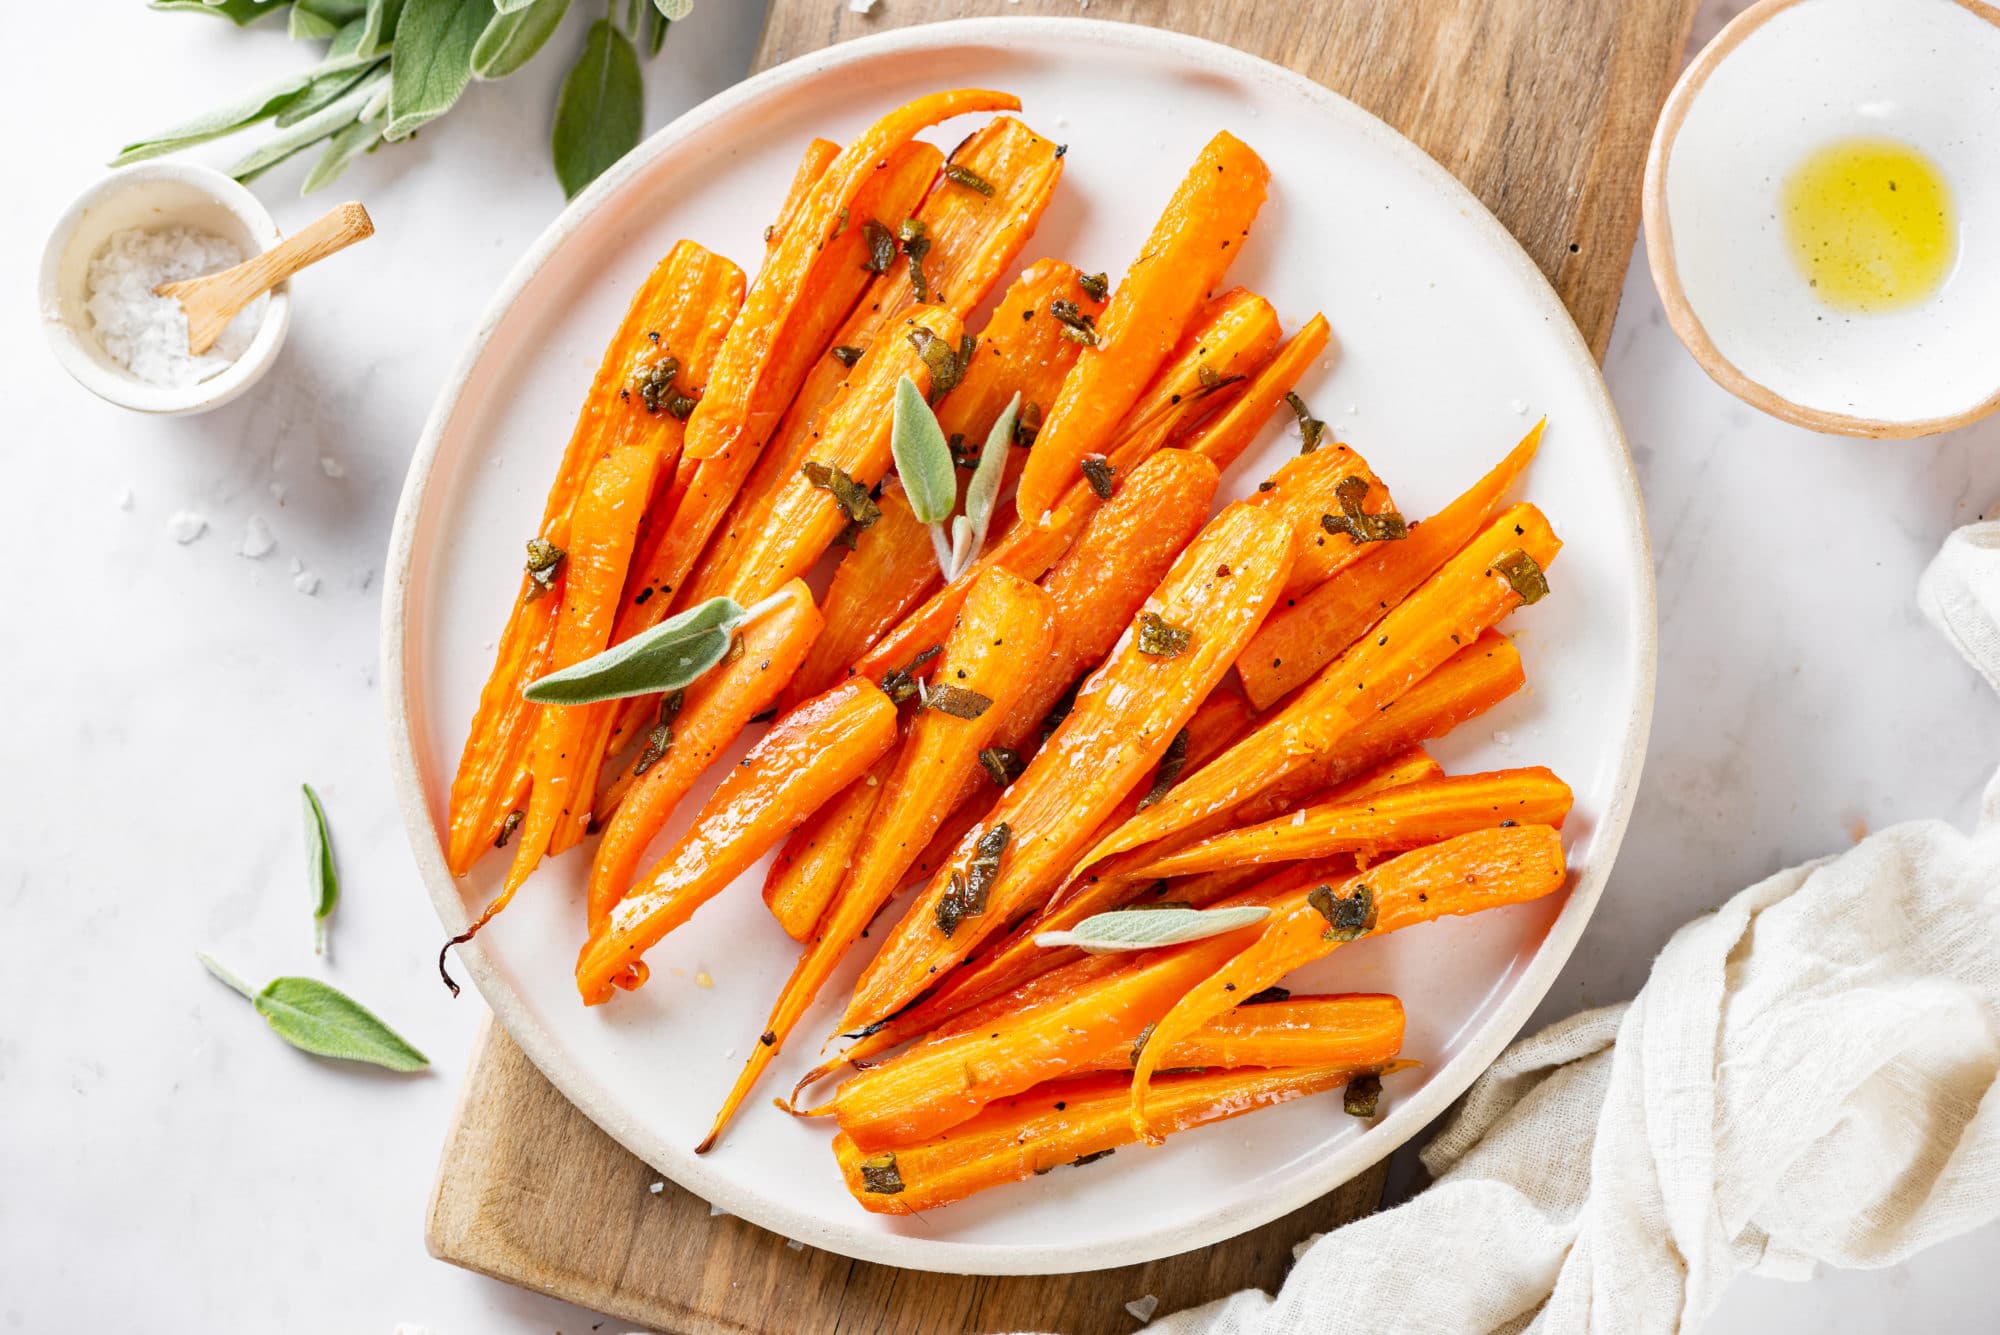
(856, 1239)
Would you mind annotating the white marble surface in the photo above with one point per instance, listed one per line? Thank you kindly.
(161, 1159)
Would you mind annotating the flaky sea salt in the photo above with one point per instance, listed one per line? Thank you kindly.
(306, 582)
(331, 466)
(147, 334)
(186, 525)
(257, 539)
(1142, 1309)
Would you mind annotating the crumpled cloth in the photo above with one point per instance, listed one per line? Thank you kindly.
(1808, 1076)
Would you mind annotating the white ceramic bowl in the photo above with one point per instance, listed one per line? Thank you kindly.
(151, 194)
(1783, 80)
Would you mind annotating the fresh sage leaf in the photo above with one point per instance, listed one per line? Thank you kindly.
(512, 6)
(674, 9)
(433, 64)
(512, 39)
(321, 878)
(307, 25)
(1148, 929)
(246, 111)
(242, 13)
(364, 136)
(328, 120)
(600, 112)
(923, 456)
(319, 1018)
(982, 493)
(378, 25)
(665, 658)
(320, 94)
(655, 27)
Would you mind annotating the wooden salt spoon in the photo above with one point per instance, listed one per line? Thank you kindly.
(212, 300)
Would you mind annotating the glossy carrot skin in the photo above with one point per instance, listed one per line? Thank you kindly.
(751, 386)
(1405, 818)
(819, 155)
(1303, 489)
(1235, 333)
(494, 771)
(1236, 428)
(1303, 637)
(798, 766)
(1468, 874)
(1465, 597)
(1063, 1123)
(1001, 635)
(1183, 260)
(891, 569)
(714, 711)
(1022, 349)
(1124, 718)
(808, 870)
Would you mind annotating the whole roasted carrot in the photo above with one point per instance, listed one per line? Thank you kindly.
(1407, 817)
(1182, 261)
(1068, 1122)
(802, 762)
(744, 398)
(1499, 570)
(990, 658)
(713, 713)
(494, 770)
(1301, 638)
(1125, 717)
(1467, 874)
(814, 861)
(1232, 431)
(1331, 482)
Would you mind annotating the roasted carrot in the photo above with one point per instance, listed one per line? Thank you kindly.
(810, 867)
(1233, 430)
(1301, 638)
(1472, 872)
(824, 243)
(890, 570)
(1309, 488)
(1407, 817)
(1496, 572)
(1189, 250)
(493, 772)
(714, 711)
(1235, 333)
(1023, 350)
(819, 155)
(801, 763)
(991, 656)
(1069, 1122)
(1125, 717)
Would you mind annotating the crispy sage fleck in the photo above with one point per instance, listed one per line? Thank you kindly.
(881, 244)
(954, 700)
(1358, 523)
(1139, 1043)
(1082, 1159)
(1362, 1096)
(1267, 996)
(1169, 772)
(1077, 326)
(1161, 638)
(1029, 424)
(968, 178)
(879, 1176)
(662, 735)
(942, 360)
(1311, 429)
(1001, 763)
(851, 496)
(916, 239)
(1524, 573)
(1096, 286)
(653, 381)
(966, 895)
(1348, 917)
(508, 826)
(544, 560)
(1099, 472)
(900, 684)
(846, 356)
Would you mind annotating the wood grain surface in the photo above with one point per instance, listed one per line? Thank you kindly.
(1543, 108)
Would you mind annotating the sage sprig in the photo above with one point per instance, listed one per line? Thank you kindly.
(319, 1018)
(321, 877)
(930, 477)
(666, 658)
(1148, 929)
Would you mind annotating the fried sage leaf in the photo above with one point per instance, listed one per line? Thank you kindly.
(1100, 473)
(1524, 573)
(1150, 928)
(1311, 429)
(1096, 286)
(1001, 763)
(901, 684)
(1358, 523)
(879, 1176)
(1348, 917)
(1162, 638)
(881, 246)
(321, 1019)
(966, 897)
(1077, 326)
(851, 496)
(954, 700)
(968, 178)
(1362, 1096)
(544, 560)
(665, 658)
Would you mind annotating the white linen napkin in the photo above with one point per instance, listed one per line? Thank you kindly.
(1808, 1075)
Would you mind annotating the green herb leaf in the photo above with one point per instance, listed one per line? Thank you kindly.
(1356, 523)
(378, 25)
(321, 878)
(900, 684)
(320, 94)
(968, 178)
(923, 456)
(513, 38)
(851, 496)
(1100, 473)
(1096, 286)
(1362, 1097)
(600, 112)
(674, 9)
(982, 493)
(954, 700)
(879, 1175)
(655, 30)
(242, 13)
(328, 120)
(1348, 917)
(665, 658)
(1148, 929)
(306, 25)
(246, 111)
(1521, 570)
(433, 64)
(1161, 638)
(318, 1018)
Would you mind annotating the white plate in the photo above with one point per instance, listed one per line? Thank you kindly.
(1450, 342)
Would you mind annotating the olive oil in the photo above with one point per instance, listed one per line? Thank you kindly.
(1869, 221)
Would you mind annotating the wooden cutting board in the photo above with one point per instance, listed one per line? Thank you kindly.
(1543, 108)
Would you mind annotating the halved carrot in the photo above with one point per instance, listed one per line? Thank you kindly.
(1182, 261)
(1302, 638)
(972, 238)
(814, 861)
(493, 772)
(819, 155)
(1456, 876)
(1307, 489)
(1023, 349)
(1234, 334)
(801, 763)
(1407, 817)
(1069, 1122)
(990, 658)
(1234, 430)
(744, 397)
(1125, 717)
(1492, 575)
(604, 524)
(714, 711)
(890, 570)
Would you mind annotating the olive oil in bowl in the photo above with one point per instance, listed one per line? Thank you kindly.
(1870, 223)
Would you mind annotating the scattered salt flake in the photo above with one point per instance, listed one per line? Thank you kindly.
(1503, 739)
(1520, 407)
(186, 525)
(657, 1188)
(794, 1243)
(702, 979)
(861, 6)
(298, 568)
(1353, 408)
(306, 582)
(717, 1212)
(331, 466)
(1142, 1309)
(257, 539)
(125, 499)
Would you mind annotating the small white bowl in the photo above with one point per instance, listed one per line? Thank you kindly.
(1784, 79)
(151, 194)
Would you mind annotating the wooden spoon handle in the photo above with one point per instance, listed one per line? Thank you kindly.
(212, 300)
